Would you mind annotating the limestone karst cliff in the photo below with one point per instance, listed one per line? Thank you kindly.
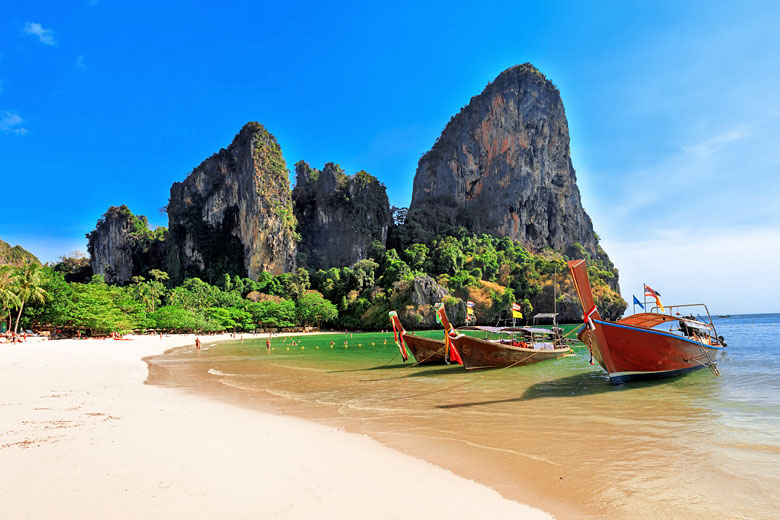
(122, 245)
(233, 213)
(502, 166)
(338, 215)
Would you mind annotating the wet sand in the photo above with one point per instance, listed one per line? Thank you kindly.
(555, 435)
(81, 436)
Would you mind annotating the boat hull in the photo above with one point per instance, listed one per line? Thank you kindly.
(426, 351)
(480, 354)
(638, 354)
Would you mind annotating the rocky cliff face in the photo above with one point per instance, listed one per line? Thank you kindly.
(502, 166)
(122, 245)
(415, 300)
(233, 213)
(338, 216)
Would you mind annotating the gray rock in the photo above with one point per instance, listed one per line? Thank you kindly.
(233, 213)
(339, 216)
(502, 166)
(122, 246)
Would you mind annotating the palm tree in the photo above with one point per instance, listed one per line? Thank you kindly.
(29, 287)
(8, 298)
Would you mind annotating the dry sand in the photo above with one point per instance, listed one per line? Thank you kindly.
(81, 436)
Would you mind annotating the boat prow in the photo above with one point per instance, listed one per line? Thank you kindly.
(631, 349)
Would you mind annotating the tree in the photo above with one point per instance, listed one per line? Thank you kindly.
(416, 255)
(29, 287)
(269, 313)
(8, 297)
(313, 308)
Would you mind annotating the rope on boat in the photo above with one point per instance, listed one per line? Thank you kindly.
(425, 359)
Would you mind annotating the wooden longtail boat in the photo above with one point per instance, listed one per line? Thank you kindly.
(426, 351)
(632, 349)
(523, 346)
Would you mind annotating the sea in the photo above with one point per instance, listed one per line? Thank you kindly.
(556, 434)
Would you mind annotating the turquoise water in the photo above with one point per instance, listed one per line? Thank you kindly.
(554, 434)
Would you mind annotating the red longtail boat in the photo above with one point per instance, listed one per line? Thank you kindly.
(426, 351)
(522, 346)
(634, 349)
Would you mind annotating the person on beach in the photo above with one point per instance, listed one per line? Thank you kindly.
(268, 343)
(197, 343)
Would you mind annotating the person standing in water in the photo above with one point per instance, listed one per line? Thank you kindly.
(268, 343)
(197, 343)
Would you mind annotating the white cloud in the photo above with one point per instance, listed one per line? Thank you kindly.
(10, 122)
(81, 62)
(46, 36)
(731, 270)
(713, 144)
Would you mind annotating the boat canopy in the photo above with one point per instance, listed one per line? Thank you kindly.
(647, 319)
(546, 315)
(506, 330)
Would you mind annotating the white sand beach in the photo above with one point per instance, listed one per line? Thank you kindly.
(82, 436)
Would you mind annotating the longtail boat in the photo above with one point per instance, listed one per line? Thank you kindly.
(426, 351)
(633, 349)
(522, 346)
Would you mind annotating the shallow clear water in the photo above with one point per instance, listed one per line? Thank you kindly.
(554, 434)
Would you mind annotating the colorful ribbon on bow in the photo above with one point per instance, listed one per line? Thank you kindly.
(398, 335)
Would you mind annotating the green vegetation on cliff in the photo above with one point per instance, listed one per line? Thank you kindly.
(492, 272)
(16, 255)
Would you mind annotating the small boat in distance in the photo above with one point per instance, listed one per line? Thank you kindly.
(521, 346)
(426, 351)
(632, 349)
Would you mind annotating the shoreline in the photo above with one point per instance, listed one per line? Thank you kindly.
(81, 434)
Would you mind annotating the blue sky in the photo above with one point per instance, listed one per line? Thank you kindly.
(674, 113)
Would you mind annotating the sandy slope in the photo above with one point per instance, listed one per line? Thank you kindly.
(81, 436)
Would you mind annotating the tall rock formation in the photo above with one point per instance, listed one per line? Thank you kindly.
(338, 215)
(122, 245)
(502, 166)
(233, 213)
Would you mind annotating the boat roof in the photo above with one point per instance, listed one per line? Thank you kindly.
(651, 319)
(545, 315)
(647, 319)
(499, 330)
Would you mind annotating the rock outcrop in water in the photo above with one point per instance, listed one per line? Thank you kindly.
(122, 245)
(502, 166)
(338, 215)
(233, 213)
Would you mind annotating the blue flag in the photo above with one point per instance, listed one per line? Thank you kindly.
(638, 302)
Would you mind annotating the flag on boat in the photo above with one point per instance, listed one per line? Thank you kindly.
(469, 308)
(469, 303)
(649, 291)
(637, 302)
(517, 311)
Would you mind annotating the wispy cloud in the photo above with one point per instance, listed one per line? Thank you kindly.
(46, 36)
(81, 62)
(11, 123)
(709, 146)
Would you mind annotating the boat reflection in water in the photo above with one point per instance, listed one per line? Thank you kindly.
(635, 348)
